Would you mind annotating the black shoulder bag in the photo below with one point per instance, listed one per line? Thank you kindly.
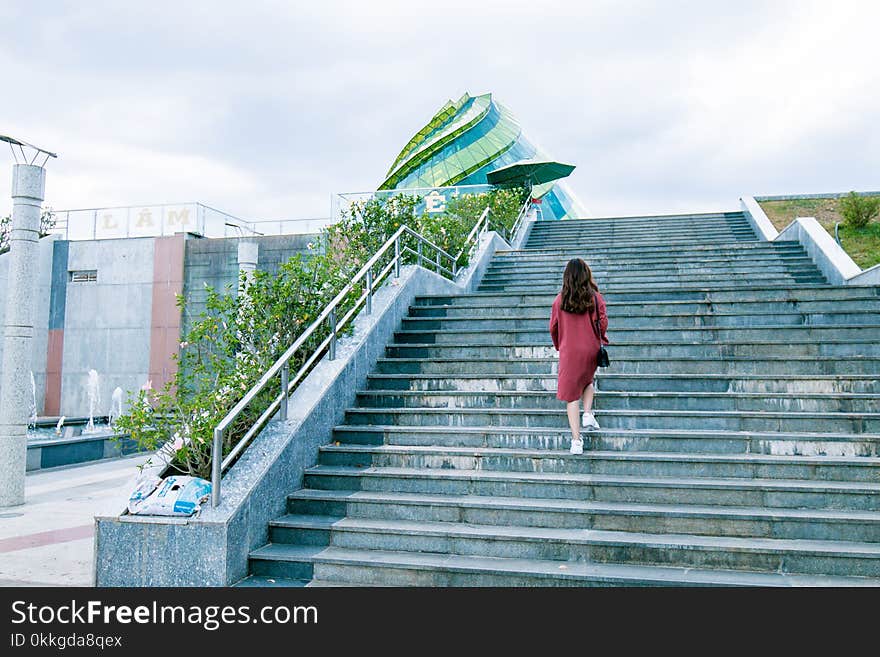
(602, 360)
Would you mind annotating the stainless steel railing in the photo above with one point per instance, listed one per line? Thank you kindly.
(523, 213)
(329, 315)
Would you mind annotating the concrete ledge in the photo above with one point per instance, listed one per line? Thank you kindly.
(828, 255)
(758, 219)
(869, 276)
(469, 277)
(525, 229)
(212, 549)
(81, 449)
(835, 263)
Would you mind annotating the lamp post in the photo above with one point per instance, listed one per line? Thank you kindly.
(28, 188)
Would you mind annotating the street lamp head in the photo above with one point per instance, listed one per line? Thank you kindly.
(23, 159)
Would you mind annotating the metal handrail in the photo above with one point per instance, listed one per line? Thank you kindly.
(479, 228)
(282, 365)
(523, 213)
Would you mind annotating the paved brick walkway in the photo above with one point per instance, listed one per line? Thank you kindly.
(49, 540)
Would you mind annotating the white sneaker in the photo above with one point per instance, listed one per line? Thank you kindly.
(588, 421)
(577, 446)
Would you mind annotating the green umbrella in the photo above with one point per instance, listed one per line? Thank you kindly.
(529, 173)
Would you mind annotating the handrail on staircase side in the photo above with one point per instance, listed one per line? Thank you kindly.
(282, 365)
(523, 213)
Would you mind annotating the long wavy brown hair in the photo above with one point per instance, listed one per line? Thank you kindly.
(578, 287)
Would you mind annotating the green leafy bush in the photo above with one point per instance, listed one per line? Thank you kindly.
(858, 210)
(239, 336)
(47, 223)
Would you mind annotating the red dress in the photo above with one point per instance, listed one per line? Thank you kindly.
(574, 338)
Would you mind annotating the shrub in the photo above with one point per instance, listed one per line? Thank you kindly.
(47, 223)
(239, 336)
(857, 211)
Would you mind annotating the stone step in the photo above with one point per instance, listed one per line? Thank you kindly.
(652, 464)
(641, 231)
(261, 581)
(623, 320)
(643, 222)
(674, 244)
(582, 545)
(536, 332)
(622, 440)
(757, 310)
(811, 524)
(642, 260)
(599, 265)
(653, 220)
(450, 365)
(661, 248)
(632, 237)
(786, 493)
(489, 380)
(718, 294)
(298, 564)
(753, 269)
(642, 286)
(532, 345)
(656, 222)
(612, 251)
(826, 402)
(787, 421)
(629, 237)
(650, 274)
(380, 568)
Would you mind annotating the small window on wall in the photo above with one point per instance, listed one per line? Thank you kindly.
(84, 276)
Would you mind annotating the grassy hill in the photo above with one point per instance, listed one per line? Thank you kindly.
(863, 245)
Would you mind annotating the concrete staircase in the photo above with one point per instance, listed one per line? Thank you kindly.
(740, 440)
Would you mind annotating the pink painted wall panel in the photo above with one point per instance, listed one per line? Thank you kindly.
(55, 351)
(166, 320)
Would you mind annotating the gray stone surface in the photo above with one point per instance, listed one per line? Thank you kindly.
(452, 467)
(829, 256)
(834, 263)
(28, 190)
(212, 550)
(107, 323)
(214, 263)
(41, 283)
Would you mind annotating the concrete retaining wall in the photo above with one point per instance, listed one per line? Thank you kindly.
(835, 263)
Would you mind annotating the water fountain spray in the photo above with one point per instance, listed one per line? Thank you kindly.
(94, 393)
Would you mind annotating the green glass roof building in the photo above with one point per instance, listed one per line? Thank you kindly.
(466, 140)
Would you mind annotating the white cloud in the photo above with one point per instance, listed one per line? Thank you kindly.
(265, 109)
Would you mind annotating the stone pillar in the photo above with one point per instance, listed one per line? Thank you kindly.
(248, 253)
(28, 187)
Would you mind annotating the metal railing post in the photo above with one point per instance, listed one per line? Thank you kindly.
(420, 253)
(216, 461)
(397, 258)
(369, 291)
(285, 382)
(332, 319)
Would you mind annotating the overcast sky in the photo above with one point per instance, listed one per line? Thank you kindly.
(264, 109)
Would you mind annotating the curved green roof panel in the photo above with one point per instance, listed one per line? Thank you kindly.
(465, 140)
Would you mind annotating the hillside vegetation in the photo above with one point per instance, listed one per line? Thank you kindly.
(862, 244)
